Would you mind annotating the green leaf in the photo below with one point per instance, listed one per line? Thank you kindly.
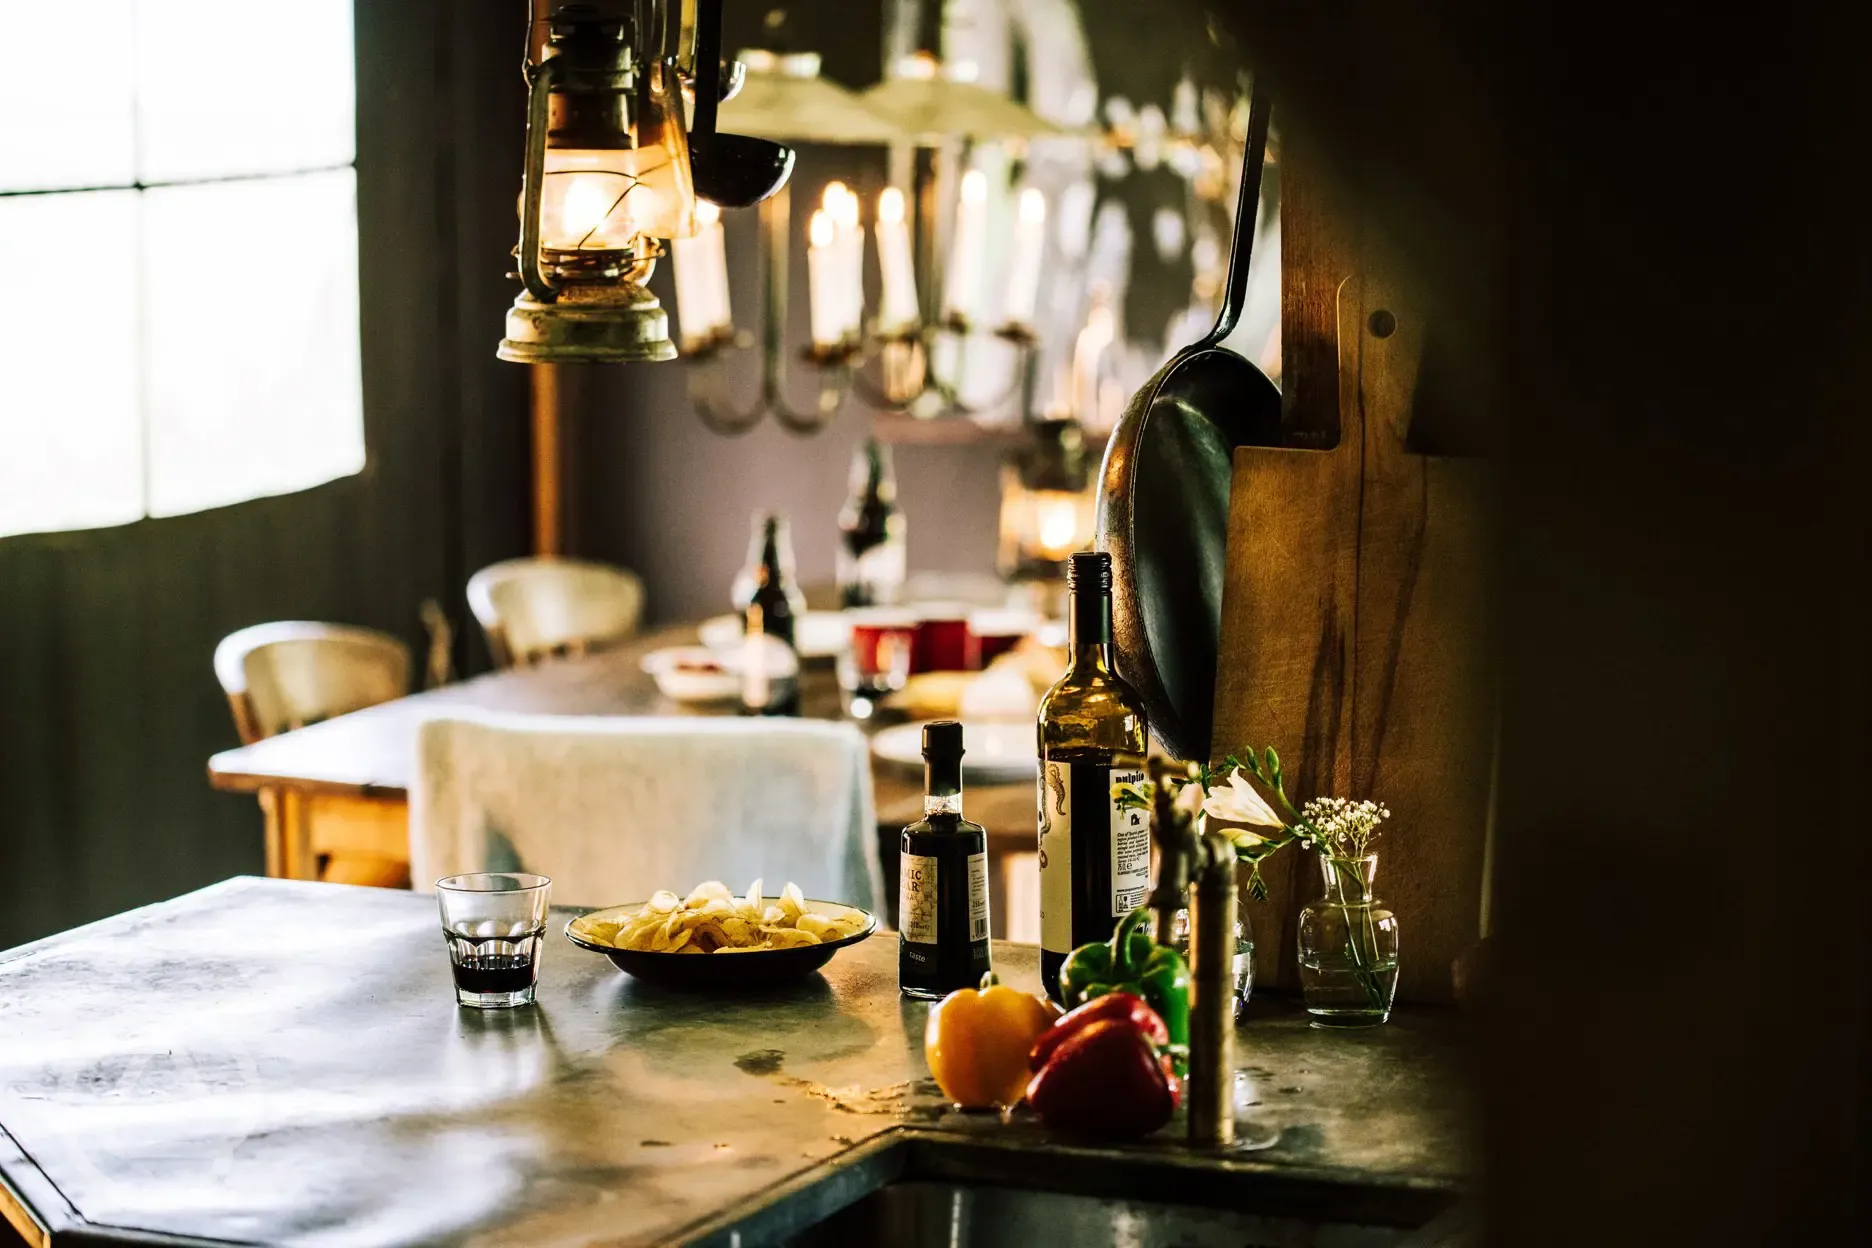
(1257, 887)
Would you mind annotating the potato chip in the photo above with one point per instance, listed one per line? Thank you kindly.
(705, 892)
(818, 925)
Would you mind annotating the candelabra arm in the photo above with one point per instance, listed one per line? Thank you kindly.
(710, 399)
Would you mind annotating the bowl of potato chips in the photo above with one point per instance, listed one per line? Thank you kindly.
(715, 939)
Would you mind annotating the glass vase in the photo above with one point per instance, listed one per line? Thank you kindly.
(1244, 953)
(1348, 947)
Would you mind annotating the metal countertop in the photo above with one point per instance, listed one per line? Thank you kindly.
(274, 1062)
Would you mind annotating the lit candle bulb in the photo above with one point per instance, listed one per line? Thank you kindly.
(715, 241)
(1088, 348)
(1023, 288)
(696, 311)
(896, 266)
(966, 246)
(848, 239)
(822, 287)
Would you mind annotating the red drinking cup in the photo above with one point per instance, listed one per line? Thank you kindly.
(942, 638)
(993, 632)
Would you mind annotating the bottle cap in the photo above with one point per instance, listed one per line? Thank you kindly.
(942, 738)
(1089, 570)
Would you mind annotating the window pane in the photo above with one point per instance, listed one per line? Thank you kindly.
(230, 87)
(71, 437)
(251, 333)
(66, 117)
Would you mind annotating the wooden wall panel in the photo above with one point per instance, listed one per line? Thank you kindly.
(1356, 636)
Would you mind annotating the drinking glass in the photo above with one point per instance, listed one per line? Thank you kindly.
(877, 662)
(942, 638)
(495, 923)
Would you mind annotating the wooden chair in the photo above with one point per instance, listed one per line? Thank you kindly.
(291, 673)
(537, 608)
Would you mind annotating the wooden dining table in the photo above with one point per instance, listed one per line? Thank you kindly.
(335, 794)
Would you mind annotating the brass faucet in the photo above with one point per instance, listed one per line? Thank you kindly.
(1203, 869)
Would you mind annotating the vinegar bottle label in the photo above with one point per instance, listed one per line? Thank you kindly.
(916, 898)
(978, 896)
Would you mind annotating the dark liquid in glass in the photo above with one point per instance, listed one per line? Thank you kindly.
(488, 964)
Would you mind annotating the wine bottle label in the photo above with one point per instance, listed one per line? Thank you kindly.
(916, 898)
(978, 896)
(1075, 793)
(1130, 849)
(1055, 859)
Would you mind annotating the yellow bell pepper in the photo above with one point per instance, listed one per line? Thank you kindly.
(977, 1042)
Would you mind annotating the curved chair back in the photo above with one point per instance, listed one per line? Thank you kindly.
(536, 608)
(292, 673)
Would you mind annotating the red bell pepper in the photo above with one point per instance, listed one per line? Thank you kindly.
(1102, 1070)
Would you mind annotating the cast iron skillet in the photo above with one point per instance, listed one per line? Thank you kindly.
(1164, 497)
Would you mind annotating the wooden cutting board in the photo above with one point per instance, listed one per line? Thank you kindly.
(1356, 638)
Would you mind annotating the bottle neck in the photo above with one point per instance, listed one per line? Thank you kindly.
(1089, 629)
(772, 569)
(942, 804)
(1349, 880)
(942, 786)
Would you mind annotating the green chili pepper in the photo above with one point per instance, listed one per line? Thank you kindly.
(1133, 962)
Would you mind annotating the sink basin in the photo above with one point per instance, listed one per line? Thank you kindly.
(929, 1214)
(910, 1189)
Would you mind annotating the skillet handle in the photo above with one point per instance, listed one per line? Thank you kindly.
(708, 40)
(1242, 253)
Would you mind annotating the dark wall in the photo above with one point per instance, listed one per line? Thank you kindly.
(1643, 234)
(654, 490)
(108, 705)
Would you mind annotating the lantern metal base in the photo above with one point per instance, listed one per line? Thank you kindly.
(607, 323)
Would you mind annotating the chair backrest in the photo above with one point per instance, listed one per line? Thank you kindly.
(614, 809)
(535, 608)
(296, 672)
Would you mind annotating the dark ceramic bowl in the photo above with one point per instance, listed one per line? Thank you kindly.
(763, 968)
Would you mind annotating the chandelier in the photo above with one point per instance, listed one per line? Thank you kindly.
(881, 351)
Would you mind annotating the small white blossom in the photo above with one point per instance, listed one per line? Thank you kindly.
(1343, 828)
(1239, 803)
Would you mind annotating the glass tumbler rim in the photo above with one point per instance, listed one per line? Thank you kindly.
(474, 883)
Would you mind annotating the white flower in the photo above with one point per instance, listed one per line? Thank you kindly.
(1239, 803)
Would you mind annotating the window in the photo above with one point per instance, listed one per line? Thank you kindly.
(178, 258)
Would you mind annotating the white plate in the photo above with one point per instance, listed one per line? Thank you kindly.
(820, 634)
(689, 685)
(992, 753)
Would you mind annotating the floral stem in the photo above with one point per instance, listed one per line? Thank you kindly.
(1361, 959)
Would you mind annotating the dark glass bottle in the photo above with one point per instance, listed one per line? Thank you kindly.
(942, 896)
(1094, 858)
(770, 605)
(873, 549)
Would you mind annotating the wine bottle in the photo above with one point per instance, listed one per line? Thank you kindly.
(872, 549)
(770, 609)
(1094, 857)
(942, 895)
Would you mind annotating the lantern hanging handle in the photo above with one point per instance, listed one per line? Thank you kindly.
(541, 78)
